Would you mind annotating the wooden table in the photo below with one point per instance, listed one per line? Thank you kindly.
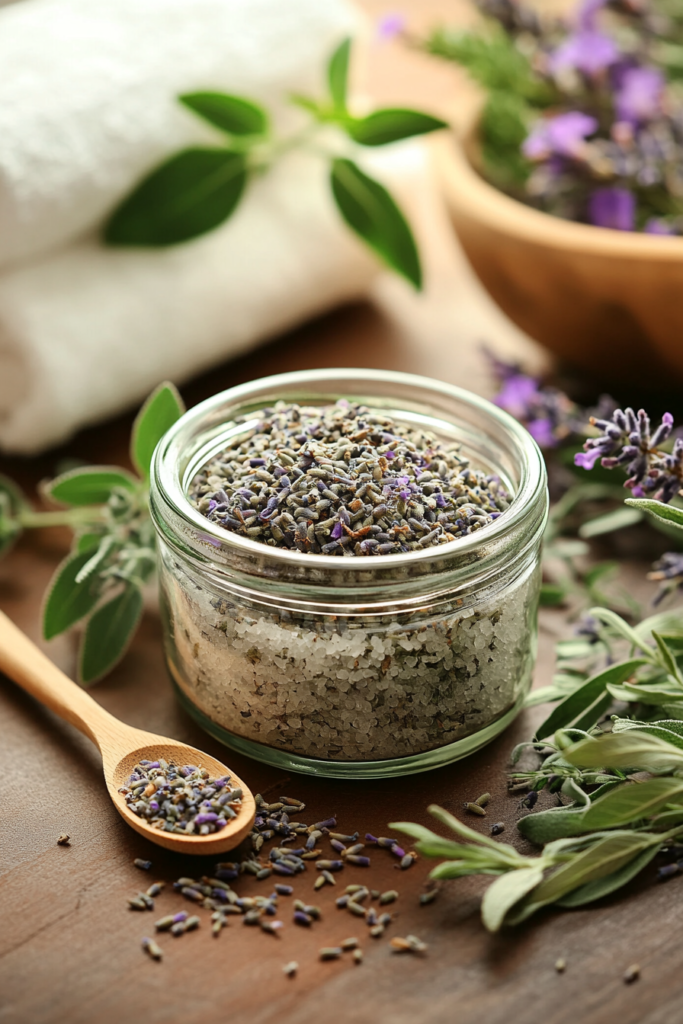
(70, 948)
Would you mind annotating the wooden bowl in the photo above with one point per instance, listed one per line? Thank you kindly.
(609, 302)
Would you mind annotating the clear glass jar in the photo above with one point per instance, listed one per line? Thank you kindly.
(351, 667)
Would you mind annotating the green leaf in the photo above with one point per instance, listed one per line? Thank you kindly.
(457, 826)
(610, 883)
(618, 624)
(108, 634)
(338, 73)
(669, 730)
(667, 658)
(594, 713)
(89, 486)
(618, 519)
(88, 541)
(390, 125)
(669, 513)
(570, 649)
(633, 749)
(669, 624)
(582, 698)
(191, 193)
(545, 826)
(369, 210)
(505, 892)
(552, 595)
(12, 502)
(161, 410)
(656, 694)
(606, 857)
(67, 602)
(231, 114)
(631, 802)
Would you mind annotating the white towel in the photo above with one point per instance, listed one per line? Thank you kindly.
(88, 87)
(90, 331)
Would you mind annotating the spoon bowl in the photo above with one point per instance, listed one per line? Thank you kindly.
(122, 746)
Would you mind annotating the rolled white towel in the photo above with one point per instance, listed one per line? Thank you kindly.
(90, 331)
(88, 87)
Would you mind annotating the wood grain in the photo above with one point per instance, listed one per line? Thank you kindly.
(70, 948)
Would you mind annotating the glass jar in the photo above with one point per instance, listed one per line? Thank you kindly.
(362, 666)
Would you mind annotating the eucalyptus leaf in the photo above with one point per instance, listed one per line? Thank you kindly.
(369, 210)
(586, 694)
(232, 114)
(191, 193)
(391, 125)
(161, 410)
(617, 519)
(610, 883)
(108, 634)
(669, 513)
(67, 602)
(633, 749)
(505, 892)
(338, 74)
(90, 485)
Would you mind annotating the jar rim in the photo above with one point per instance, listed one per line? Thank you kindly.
(167, 479)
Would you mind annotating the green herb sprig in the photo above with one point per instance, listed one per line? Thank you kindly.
(100, 582)
(199, 188)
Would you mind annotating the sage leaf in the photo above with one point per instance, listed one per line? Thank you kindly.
(88, 541)
(369, 210)
(505, 892)
(667, 658)
(108, 634)
(611, 618)
(460, 868)
(669, 624)
(618, 519)
(67, 602)
(557, 823)
(651, 693)
(668, 729)
(552, 594)
(457, 826)
(633, 749)
(191, 193)
(91, 485)
(631, 802)
(610, 883)
(669, 513)
(12, 501)
(594, 713)
(338, 74)
(582, 698)
(232, 114)
(391, 125)
(161, 410)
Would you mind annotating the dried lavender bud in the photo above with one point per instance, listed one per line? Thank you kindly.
(152, 949)
(63, 840)
(632, 974)
(473, 808)
(144, 865)
(182, 799)
(291, 968)
(497, 828)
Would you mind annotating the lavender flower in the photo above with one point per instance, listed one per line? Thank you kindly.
(657, 226)
(612, 208)
(639, 95)
(564, 135)
(628, 440)
(546, 412)
(588, 51)
(668, 571)
(390, 26)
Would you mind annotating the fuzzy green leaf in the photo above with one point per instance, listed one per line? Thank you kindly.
(370, 211)
(633, 749)
(108, 634)
(12, 501)
(505, 892)
(67, 602)
(617, 519)
(586, 695)
(161, 410)
(391, 125)
(669, 513)
(631, 802)
(610, 618)
(610, 883)
(557, 823)
(669, 730)
(191, 193)
(667, 657)
(232, 114)
(606, 857)
(91, 485)
(338, 74)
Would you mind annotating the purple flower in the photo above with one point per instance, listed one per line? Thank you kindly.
(639, 95)
(563, 135)
(542, 432)
(336, 531)
(612, 208)
(586, 460)
(390, 26)
(587, 13)
(668, 571)
(517, 394)
(656, 226)
(587, 51)
(627, 440)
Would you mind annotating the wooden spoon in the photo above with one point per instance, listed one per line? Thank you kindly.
(121, 745)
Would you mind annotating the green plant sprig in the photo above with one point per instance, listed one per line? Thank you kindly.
(198, 189)
(590, 850)
(113, 556)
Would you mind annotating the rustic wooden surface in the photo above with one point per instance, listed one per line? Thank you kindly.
(70, 949)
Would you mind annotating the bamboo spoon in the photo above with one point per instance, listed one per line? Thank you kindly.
(121, 745)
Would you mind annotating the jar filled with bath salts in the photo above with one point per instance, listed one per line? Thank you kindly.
(329, 610)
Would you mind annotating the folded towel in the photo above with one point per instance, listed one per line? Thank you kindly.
(88, 87)
(90, 331)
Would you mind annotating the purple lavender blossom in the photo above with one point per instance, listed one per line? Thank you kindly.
(587, 15)
(639, 95)
(390, 26)
(656, 226)
(612, 208)
(546, 412)
(587, 51)
(668, 571)
(563, 135)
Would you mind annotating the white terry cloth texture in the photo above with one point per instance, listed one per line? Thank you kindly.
(88, 94)
(90, 331)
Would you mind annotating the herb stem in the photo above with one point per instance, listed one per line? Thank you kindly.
(30, 520)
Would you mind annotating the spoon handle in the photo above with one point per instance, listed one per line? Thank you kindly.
(23, 662)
